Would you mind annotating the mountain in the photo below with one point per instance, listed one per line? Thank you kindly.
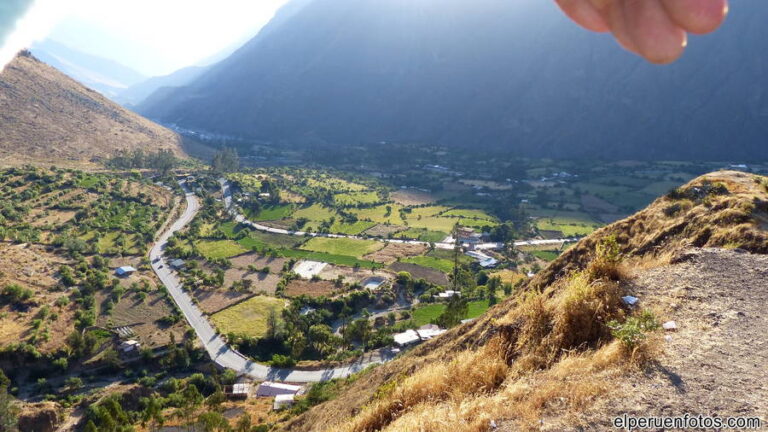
(105, 76)
(483, 74)
(48, 117)
(137, 93)
(567, 352)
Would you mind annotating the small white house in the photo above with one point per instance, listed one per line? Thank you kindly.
(125, 271)
(270, 388)
(406, 338)
(447, 294)
(283, 401)
(129, 346)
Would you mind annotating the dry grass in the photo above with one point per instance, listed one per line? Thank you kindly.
(470, 373)
(50, 118)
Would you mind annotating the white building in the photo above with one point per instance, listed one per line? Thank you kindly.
(270, 388)
(412, 337)
(129, 346)
(125, 270)
(283, 401)
(408, 337)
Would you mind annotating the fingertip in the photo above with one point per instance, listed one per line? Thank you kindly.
(697, 16)
(656, 36)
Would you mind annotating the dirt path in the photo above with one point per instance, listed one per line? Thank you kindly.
(716, 363)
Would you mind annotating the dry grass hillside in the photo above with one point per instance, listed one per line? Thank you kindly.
(566, 353)
(46, 117)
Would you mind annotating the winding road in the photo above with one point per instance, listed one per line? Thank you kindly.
(226, 191)
(220, 352)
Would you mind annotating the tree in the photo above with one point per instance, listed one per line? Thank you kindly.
(213, 422)
(9, 412)
(273, 326)
(456, 310)
(153, 413)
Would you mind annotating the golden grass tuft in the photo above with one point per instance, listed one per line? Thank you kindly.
(565, 389)
(471, 373)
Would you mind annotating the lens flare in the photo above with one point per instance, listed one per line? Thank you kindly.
(34, 20)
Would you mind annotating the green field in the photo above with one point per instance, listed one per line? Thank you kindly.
(328, 182)
(355, 198)
(342, 246)
(249, 317)
(422, 234)
(218, 249)
(249, 183)
(440, 264)
(569, 223)
(545, 255)
(350, 228)
(274, 213)
(342, 260)
(470, 214)
(378, 214)
(315, 212)
(426, 314)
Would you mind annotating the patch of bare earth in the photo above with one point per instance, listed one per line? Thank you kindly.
(310, 288)
(384, 230)
(717, 360)
(409, 197)
(418, 272)
(212, 301)
(266, 282)
(392, 251)
(352, 275)
(243, 261)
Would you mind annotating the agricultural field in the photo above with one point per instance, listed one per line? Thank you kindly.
(440, 264)
(342, 246)
(568, 223)
(427, 314)
(249, 317)
(217, 249)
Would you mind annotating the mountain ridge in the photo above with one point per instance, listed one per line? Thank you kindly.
(517, 77)
(47, 117)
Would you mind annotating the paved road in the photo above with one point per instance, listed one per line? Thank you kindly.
(226, 191)
(219, 351)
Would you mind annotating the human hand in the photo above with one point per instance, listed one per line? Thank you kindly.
(654, 29)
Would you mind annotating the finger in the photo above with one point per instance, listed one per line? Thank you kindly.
(697, 16)
(616, 19)
(584, 14)
(656, 36)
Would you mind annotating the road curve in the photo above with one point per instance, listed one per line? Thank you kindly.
(220, 352)
(226, 191)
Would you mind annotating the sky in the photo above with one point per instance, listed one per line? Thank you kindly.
(154, 37)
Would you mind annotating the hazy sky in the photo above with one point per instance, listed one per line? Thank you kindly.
(155, 37)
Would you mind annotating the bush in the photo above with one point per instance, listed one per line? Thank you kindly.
(15, 294)
(282, 361)
(634, 330)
